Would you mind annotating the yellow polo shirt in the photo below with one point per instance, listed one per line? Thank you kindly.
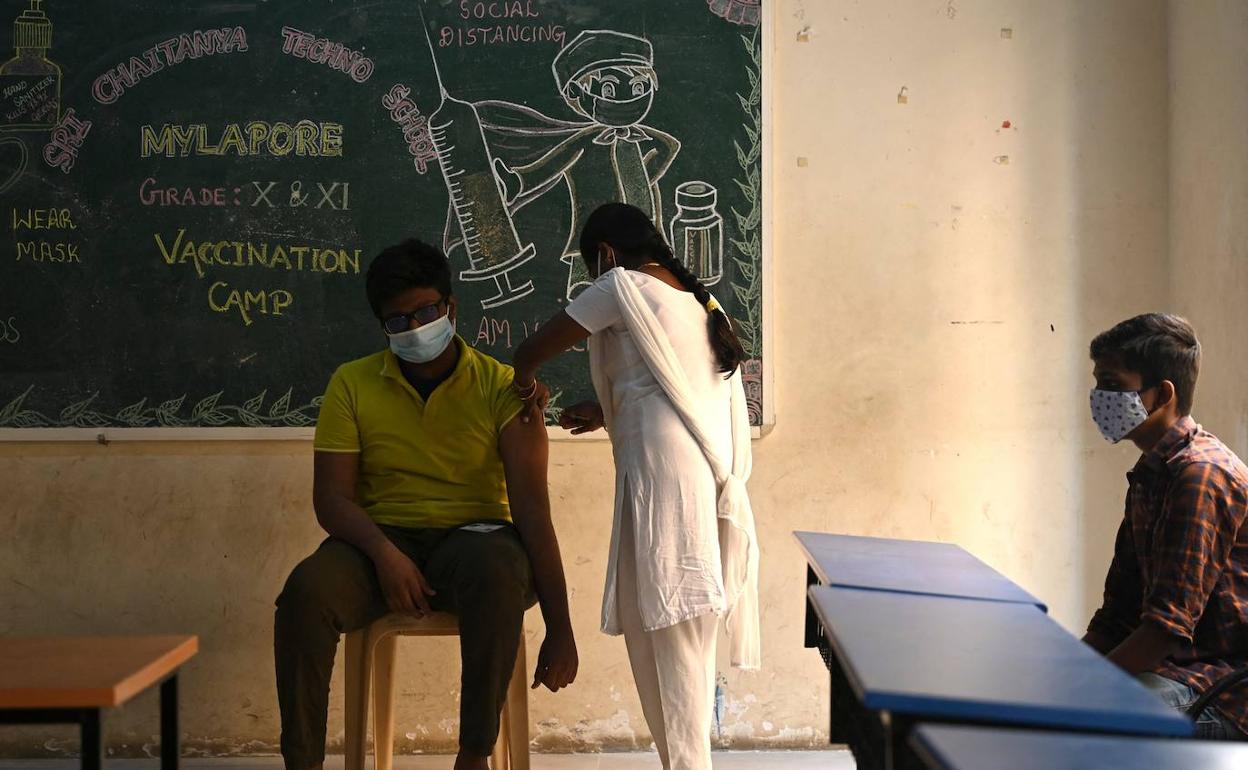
(433, 464)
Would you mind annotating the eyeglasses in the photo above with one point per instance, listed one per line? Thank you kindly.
(397, 324)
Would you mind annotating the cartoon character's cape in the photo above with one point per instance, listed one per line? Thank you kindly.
(517, 135)
(520, 136)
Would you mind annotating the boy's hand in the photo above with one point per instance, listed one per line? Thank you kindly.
(403, 584)
(557, 661)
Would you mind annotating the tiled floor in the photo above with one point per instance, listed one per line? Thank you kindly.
(723, 760)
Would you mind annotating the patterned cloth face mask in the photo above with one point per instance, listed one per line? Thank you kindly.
(1117, 413)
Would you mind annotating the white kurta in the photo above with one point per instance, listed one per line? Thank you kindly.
(676, 503)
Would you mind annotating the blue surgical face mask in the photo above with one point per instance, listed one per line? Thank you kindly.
(424, 343)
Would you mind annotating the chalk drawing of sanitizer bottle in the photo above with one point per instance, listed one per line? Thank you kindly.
(30, 84)
(697, 231)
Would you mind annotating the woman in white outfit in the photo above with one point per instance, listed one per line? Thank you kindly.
(665, 365)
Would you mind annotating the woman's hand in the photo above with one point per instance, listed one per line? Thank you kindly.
(584, 417)
(535, 396)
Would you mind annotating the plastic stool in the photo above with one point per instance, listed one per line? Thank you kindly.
(370, 662)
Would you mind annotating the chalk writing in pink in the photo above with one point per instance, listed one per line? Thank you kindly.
(415, 126)
(319, 50)
(500, 34)
(67, 138)
(151, 193)
(499, 22)
(497, 10)
(109, 87)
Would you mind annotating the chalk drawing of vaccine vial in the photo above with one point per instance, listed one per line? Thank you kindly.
(30, 84)
(697, 231)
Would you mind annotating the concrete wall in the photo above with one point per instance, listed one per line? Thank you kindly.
(1209, 202)
(937, 276)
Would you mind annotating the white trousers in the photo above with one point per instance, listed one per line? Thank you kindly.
(674, 668)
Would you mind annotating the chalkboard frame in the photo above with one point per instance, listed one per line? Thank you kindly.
(107, 435)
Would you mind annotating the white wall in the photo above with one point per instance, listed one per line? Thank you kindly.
(942, 349)
(1209, 202)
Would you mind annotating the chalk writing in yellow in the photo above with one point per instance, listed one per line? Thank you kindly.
(304, 138)
(47, 251)
(42, 249)
(42, 219)
(223, 299)
(206, 254)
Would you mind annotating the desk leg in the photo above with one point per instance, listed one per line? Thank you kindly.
(92, 740)
(896, 730)
(840, 704)
(169, 746)
(812, 622)
(833, 732)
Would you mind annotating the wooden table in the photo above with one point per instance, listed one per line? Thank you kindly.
(68, 680)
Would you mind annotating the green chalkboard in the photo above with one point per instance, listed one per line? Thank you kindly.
(192, 191)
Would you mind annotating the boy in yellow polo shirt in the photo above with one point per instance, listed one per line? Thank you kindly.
(432, 487)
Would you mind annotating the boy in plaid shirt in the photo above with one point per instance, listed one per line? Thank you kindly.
(1175, 612)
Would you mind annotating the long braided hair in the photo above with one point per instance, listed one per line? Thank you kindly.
(628, 231)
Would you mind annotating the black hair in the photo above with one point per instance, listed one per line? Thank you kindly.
(404, 266)
(628, 231)
(1157, 346)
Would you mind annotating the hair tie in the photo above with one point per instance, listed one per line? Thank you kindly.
(712, 305)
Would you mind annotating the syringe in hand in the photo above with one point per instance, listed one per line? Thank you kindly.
(489, 234)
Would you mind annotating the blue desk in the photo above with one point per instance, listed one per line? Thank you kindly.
(905, 566)
(902, 566)
(910, 658)
(941, 747)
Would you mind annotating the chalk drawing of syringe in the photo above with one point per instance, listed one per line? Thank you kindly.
(490, 236)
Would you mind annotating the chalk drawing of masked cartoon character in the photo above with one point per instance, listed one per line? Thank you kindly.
(607, 78)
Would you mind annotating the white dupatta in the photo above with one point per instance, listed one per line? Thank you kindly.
(738, 542)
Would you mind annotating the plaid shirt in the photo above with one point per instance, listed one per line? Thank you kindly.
(1181, 561)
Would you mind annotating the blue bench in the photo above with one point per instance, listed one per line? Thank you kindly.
(906, 658)
(941, 747)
